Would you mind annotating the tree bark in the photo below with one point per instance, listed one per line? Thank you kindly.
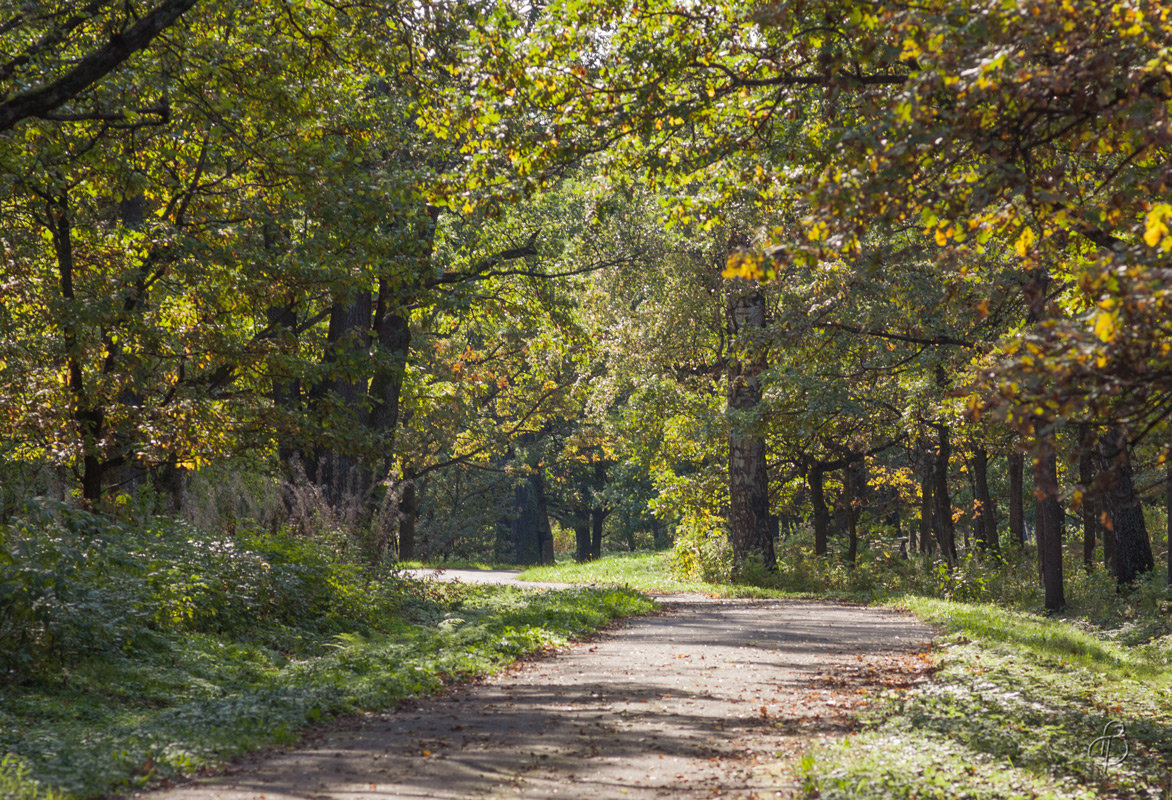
(815, 480)
(855, 484)
(1133, 548)
(1089, 510)
(343, 479)
(945, 533)
(530, 534)
(926, 501)
(748, 518)
(408, 516)
(1016, 465)
(1050, 526)
(986, 511)
(89, 418)
(582, 537)
(1168, 512)
(597, 518)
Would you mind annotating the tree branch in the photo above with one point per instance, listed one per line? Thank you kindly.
(40, 101)
(902, 337)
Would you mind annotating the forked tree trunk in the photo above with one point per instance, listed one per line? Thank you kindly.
(1133, 548)
(748, 482)
(1050, 527)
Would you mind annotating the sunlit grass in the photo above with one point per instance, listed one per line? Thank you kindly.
(1013, 713)
(646, 572)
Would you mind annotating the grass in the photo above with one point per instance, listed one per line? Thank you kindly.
(132, 653)
(645, 572)
(113, 724)
(1019, 700)
(1015, 712)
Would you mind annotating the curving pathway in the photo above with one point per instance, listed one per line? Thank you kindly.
(704, 700)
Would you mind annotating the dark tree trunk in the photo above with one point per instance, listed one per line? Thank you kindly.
(1168, 512)
(408, 516)
(598, 513)
(1016, 465)
(1089, 508)
(530, 535)
(814, 478)
(926, 501)
(392, 331)
(90, 419)
(748, 518)
(945, 534)
(659, 534)
(582, 537)
(1050, 527)
(343, 478)
(855, 484)
(986, 520)
(597, 518)
(1133, 548)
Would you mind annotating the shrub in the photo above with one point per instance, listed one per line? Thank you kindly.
(702, 551)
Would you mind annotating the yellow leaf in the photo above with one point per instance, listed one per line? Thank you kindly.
(1024, 243)
(1156, 227)
(1106, 325)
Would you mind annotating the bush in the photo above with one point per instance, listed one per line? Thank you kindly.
(68, 588)
(702, 551)
(75, 585)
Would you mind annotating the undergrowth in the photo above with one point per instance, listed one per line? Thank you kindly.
(136, 653)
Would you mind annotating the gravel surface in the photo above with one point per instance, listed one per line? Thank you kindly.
(711, 698)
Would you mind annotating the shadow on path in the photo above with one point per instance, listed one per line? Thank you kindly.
(679, 705)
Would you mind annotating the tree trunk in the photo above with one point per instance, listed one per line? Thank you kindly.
(945, 534)
(90, 419)
(1133, 548)
(926, 501)
(530, 534)
(986, 520)
(342, 477)
(408, 516)
(1016, 464)
(748, 518)
(1089, 508)
(814, 478)
(855, 484)
(1168, 512)
(597, 518)
(1050, 526)
(582, 537)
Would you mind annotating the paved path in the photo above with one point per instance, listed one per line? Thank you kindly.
(696, 702)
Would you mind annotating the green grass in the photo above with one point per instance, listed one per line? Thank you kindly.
(454, 563)
(132, 654)
(119, 723)
(1013, 712)
(646, 572)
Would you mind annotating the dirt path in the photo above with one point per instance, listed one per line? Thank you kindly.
(696, 702)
